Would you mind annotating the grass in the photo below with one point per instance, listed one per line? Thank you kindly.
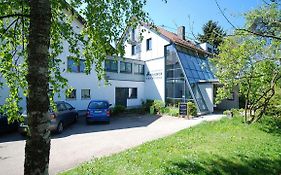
(224, 147)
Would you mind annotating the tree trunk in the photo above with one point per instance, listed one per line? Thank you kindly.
(37, 147)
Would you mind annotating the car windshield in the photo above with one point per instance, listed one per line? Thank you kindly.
(98, 105)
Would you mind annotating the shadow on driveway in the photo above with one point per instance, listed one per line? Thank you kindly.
(116, 122)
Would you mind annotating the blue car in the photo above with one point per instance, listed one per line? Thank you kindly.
(98, 111)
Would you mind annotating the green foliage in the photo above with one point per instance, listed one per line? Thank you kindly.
(274, 107)
(191, 109)
(147, 104)
(252, 61)
(159, 106)
(171, 111)
(118, 109)
(224, 147)
(101, 23)
(212, 34)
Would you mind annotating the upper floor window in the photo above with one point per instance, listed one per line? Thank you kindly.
(125, 67)
(133, 35)
(139, 69)
(111, 66)
(134, 49)
(73, 66)
(149, 44)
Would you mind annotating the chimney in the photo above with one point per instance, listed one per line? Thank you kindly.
(181, 32)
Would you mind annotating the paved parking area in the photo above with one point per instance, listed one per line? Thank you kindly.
(81, 142)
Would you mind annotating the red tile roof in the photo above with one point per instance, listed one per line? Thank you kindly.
(178, 40)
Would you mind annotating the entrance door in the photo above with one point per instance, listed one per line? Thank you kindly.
(121, 96)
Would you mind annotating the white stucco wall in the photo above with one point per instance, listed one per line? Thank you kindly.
(158, 44)
(207, 93)
(155, 79)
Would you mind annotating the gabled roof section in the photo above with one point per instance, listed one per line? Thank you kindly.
(179, 41)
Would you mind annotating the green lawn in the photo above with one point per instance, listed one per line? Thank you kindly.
(224, 147)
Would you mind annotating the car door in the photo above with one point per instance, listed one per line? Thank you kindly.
(71, 112)
(62, 113)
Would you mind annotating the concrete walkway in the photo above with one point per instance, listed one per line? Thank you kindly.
(81, 142)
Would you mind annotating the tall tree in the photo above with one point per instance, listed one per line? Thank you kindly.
(212, 34)
(251, 60)
(32, 34)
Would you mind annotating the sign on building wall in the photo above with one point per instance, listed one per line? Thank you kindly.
(155, 74)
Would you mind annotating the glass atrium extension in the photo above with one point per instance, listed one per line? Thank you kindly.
(184, 70)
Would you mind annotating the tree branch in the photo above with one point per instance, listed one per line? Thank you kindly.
(14, 15)
(261, 34)
(246, 30)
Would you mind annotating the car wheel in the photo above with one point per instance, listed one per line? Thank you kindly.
(60, 127)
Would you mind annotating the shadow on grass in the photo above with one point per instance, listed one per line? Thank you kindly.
(220, 165)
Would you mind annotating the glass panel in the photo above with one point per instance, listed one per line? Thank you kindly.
(72, 65)
(82, 66)
(176, 87)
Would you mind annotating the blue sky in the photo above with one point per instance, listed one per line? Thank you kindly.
(185, 12)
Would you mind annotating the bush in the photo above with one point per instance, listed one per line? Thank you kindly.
(118, 109)
(147, 104)
(171, 111)
(191, 109)
(159, 106)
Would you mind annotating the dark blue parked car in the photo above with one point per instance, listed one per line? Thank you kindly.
(98, 110)
(5, 126)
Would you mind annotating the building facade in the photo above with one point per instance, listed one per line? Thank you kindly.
(158, 65)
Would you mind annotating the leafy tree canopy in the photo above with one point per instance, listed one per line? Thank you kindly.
(251, 60)
(104, 23)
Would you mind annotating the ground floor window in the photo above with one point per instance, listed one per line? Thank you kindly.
(85, 93)
(133, 93)
(70, 94)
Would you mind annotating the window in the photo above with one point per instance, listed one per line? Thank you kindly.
(134, 49)
(149, 44)
(70, 94)
(133, 93)
(139, 69)
(125, 67)
(111, 66)
(98, 105)
(68, 106)
(133, 35)
(85, 93)
(61, 107)
(73, 66)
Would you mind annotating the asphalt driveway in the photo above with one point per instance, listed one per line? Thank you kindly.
(81, 142)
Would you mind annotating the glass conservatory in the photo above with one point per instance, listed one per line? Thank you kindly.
(184, 71)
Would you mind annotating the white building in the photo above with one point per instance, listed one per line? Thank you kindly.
(163, 65)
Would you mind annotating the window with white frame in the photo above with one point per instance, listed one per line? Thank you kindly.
(134, 49)
(139, 69)
(111, 65)
(149, 44)
(133, 93)
(85, 93)
(125, 67)
(73, 66)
